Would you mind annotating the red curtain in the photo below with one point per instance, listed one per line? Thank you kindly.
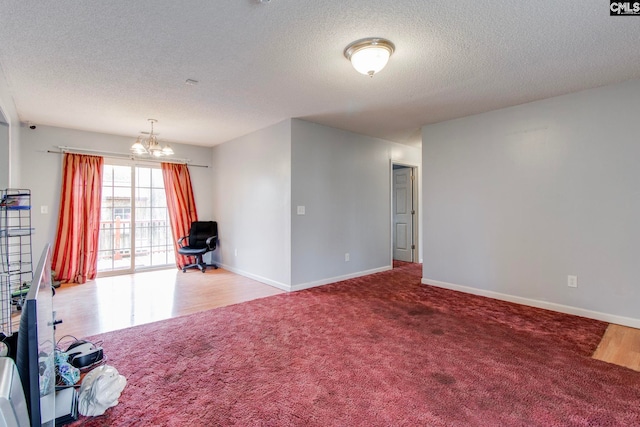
(180, 202)
(75, 253)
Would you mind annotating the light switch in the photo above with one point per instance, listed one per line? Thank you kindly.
(44, 209)
(300, 210)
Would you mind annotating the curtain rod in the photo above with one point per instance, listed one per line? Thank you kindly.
(114, 155)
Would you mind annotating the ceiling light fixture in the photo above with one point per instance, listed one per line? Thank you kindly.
(150, 145)
(370, 55)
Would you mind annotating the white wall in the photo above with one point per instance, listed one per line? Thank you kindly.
(252, 201)
(517, 199)
(42, 171)
(343, 180)
(5, 153)
(9, 138)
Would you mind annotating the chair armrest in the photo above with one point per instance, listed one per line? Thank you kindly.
(180, 241)
(210, 240)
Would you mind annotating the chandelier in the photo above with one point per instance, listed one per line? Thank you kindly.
(149, 145)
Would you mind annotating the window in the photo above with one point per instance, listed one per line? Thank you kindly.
(135, 232)
(122, 213)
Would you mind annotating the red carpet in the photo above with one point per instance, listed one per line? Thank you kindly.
(381, 350)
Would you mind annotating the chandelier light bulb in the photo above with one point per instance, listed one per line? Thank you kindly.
(137, 146)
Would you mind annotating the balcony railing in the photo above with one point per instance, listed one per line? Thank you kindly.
(154, 243)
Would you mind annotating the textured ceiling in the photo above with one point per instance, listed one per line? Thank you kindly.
(107, 66)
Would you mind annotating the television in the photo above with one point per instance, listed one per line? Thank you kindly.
(35, 349)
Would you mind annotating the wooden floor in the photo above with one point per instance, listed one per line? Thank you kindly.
(118, 302)
(620, 345)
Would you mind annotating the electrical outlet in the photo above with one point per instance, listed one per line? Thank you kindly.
(301, 210)
(572, 281)
(346, 257)
(44, 209)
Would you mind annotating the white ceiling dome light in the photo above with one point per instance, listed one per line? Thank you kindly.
(370, 55)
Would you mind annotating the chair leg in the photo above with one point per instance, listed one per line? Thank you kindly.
(199, 262)
(201, 265)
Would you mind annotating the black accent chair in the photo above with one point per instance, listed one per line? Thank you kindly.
(202, 238)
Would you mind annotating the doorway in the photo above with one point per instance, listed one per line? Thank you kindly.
(135, 232)
(404, 213)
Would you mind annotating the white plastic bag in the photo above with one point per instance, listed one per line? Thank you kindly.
(100, 390)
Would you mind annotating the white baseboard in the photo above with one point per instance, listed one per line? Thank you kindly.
(605, 317)
(260, 279)
(301, 286)
(339, 278)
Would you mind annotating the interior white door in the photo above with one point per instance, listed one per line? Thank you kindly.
(403, 214)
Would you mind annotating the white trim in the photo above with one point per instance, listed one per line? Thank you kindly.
(261, 279)
(290, 288)
(605, 317)
(339, 278)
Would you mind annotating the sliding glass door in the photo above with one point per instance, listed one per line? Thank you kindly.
(154, 241)
(135, 232)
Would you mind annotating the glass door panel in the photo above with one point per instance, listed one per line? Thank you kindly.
(114, 249)
(154, 245)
